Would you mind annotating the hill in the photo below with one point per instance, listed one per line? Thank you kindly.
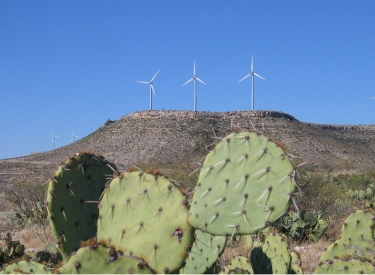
(168, 138)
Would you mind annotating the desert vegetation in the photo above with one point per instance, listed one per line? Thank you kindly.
(326, 194)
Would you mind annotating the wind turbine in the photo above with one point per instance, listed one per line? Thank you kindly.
(74, 137)
(195, 78)
(54, 141)
(252, 74)
(151, 87)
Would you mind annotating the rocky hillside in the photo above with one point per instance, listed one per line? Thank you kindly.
(166, 138)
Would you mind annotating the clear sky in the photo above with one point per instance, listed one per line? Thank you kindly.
(71, 65)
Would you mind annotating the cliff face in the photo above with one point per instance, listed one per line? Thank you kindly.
(170, 137)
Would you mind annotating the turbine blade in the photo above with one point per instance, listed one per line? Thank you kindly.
(143, 82)
(200, 80)
(252, 63)
(244, 78)
(188, 81)
(155, 76)
(258, 76)
(152, 89)
(194, 68)
(373, 98)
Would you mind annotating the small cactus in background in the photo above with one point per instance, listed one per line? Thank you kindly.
(303, 225)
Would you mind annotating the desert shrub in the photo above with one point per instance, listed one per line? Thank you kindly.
(27, 200)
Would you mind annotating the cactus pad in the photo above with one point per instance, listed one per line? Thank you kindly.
(26, 267)
(355, 251)
(99, 259)
(272, 256)
(146, 214)
(246, 183)
(204, 253)
(239, 265)
(72, 198)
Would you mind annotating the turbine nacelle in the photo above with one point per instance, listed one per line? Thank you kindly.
(195, 78)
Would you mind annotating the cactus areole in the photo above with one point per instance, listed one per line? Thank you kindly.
(246, 183)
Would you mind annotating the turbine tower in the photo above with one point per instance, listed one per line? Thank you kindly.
(195, 78)
(74, 137)
(252, 74)
(54, 141)
(151, 87)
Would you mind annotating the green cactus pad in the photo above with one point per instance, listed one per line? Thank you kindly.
(355, 251)
(272, 256)
(345, 266)
(26, 267)
(295, 266)
(239, 265)
(147, 215)
(204, 253)
(72, 198)
(99, 259)
(246, 183)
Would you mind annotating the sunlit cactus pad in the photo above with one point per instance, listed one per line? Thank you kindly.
(246, 183)
(100, 259)
(26, 267)
(354, 252)
(204, 253)
(72, 199)
(146, 214)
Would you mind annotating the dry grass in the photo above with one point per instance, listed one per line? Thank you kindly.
(310, 254)
(35, 237)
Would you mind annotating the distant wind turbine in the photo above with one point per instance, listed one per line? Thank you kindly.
(74, 137)
(195, 78)
(252, 73)
(54, 141)
(151, 87)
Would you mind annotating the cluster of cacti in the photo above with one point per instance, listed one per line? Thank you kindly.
(366, 195)
(303, 225)
(105, 221)
(12, 250)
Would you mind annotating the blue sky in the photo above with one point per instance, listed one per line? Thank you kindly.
(71, 65)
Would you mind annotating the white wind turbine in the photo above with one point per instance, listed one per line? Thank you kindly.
(54, 141)
(151, 87)
(195, 78)
(74, 137)
(252, 73)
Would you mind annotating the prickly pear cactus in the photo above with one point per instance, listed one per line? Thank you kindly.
(204, 253)
(99, 259)
(72, 198)
(239, 265)
(272, 256)
(246, 183)
(295, 266)
(26, 267)
(146, 214)
(354, 252)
